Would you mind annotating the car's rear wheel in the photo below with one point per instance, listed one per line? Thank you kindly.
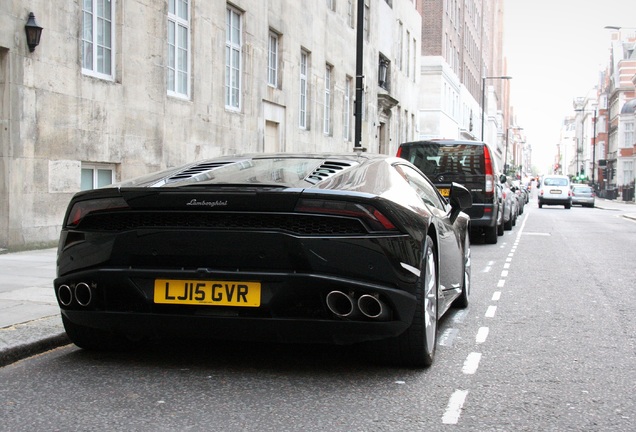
(462, 301)
(491, 234)
(416, 346)
(508, 225)
(567, 206)
(94, 339)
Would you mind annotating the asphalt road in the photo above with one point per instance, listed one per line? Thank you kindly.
(547, 344)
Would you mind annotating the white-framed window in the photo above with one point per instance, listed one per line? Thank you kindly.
(97, 175)
(98, 39)
(346, 112)
(365, 23)
(304, 72)
(628, 135)
(178, 70)
(331, 5)
(350, 13)
(398, 56)
(407, 67)
(233, 49)
(272, 60)
(327, 108)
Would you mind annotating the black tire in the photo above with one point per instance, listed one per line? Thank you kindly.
(500, 229)
(93, 339)
(491, 234)
(508, 225)
(540, 205)
(415, 347)
(567, 206)
(461, 302)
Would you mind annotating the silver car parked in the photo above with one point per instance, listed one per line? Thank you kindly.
(583, 195)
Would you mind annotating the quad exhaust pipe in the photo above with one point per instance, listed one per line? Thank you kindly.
(345, 306)
(82, 293)
(341, 304)
(372, 307)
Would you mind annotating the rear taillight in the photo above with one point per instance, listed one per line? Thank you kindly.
(399, 152)
(371, 216)
(81, 209)
(490, 178)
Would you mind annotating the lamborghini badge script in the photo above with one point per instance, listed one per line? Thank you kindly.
(195, 202)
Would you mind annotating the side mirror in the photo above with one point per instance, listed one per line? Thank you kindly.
(503, 178)
(459, 199)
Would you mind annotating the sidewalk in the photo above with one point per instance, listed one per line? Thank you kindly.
(30, 320)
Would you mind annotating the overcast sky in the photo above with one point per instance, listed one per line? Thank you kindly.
(555, 49)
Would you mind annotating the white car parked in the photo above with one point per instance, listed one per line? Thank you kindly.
(555, 190)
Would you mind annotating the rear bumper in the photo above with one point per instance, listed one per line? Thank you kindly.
(238, 329)
(555, 201)
(483, 215)
(583, 201)
(293, 308)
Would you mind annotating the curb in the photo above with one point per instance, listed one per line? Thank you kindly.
(24, 340)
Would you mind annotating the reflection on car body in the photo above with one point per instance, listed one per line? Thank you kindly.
(340, 248)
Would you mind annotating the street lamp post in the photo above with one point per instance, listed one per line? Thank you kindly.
(483, 97)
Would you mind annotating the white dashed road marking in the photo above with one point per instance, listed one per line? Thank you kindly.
(454, 407)
(471, 363)
(482, 334)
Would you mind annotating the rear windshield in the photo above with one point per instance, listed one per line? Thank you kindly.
(550, 181)
(583, 189)
(436, 158)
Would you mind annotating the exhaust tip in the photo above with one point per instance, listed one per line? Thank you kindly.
(340, 304)
(83, 294)
(65, 295)
(372, 307)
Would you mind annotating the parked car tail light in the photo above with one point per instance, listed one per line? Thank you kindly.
(371, 216)
(81, 209)
(490, 176)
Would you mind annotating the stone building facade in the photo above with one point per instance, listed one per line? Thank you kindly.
(117, 89)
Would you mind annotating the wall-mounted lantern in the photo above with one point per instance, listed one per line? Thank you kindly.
(33, 32)
(383, 73)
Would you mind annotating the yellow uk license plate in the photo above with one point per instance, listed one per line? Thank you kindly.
(444, 191)
(210, 293)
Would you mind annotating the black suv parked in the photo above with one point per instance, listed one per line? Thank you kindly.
(470, 163)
